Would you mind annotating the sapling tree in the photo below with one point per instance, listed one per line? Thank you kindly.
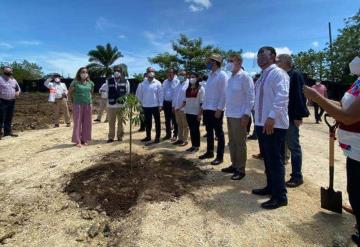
(132, 112)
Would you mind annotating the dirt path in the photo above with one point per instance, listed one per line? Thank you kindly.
(35, 211)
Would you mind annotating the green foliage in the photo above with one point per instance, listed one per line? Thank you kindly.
(132, 112)
(25, 70)
(102, 59)
(333, 64)
(139, 77)
(189, 54)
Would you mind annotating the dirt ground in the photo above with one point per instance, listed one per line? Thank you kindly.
(54, 194)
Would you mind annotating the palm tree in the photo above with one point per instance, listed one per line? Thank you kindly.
(102, 58)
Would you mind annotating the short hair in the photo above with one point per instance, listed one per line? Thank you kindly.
(172, 70)
(287, 59)
(268, 48)
(237, 56)
(118, 67)
(6, 67)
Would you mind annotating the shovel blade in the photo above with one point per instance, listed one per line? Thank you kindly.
(331, 200)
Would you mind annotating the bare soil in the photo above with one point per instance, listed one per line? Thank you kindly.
(54, 194)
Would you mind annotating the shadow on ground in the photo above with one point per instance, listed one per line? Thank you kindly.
(112, 186)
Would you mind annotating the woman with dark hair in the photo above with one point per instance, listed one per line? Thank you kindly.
(192, 108)
(80, 91)
(347, 113)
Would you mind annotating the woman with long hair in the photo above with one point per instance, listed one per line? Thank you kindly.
(192, 108)
(80, 91)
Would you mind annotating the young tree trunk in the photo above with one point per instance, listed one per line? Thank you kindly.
(130, 140)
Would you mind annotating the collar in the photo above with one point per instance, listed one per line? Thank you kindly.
(215, 72)
(270, 68)
(238, 73)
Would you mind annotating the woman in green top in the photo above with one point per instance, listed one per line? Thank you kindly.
(80, 91)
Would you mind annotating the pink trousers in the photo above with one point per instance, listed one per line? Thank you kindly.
(82, 123)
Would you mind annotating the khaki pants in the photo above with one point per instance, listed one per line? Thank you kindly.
(183, 130)
(60, 105)
(102, 108)
(237, 144)
(115, 114)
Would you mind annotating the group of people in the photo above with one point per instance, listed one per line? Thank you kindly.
(275, 99)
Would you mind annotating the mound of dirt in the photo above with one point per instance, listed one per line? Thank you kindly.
(114, 187)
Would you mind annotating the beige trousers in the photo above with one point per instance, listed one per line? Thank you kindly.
(60, 105)
(183, 129)
(237, 144)
(102, 108)
(113, 115)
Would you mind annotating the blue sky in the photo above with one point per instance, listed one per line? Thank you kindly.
(58, 34)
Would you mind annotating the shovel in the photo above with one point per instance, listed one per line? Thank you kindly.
(331, 200)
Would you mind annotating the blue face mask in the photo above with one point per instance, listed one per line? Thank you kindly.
(181, 78)
(209, 66)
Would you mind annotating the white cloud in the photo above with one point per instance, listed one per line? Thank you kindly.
(102, 23)
(6, 45)
(156, 40)
(283, 50)
(198, 5)
(29, 42)
(249, 55)
(121, 36)
(315, 44)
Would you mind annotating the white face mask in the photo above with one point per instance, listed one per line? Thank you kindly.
(192, 81)
(117, 74)
(229, 67)
(181, 78)
(354, 66)
(151, 74)
(57, 80)
(84, 76)
(317, 83)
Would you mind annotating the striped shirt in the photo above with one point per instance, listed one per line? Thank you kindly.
(272, 97)
(8, 88)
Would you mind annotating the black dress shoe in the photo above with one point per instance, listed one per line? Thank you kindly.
(206, 156)
(294, 182)
(146, 139)
(11, 134)
(274, 204)
(192, 149)
(261, 192)
(216, 162)
(238, 176)
(252, 137)
(109, 141)
(178, 142)
(167, 137)
(229, 169)
(97, 120)
(141, 130)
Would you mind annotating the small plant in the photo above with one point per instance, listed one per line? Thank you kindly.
(132, 112)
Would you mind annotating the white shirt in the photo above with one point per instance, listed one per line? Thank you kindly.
(150, 94)
(239, 95)
(105, 89)
(179, 94)
(215, 91)
(169, 88)
(59, 87)
(272, 97)
(193, 104)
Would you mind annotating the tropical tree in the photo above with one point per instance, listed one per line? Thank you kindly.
(25, 70)
(132, 112)
(101, 60)
(188, 54)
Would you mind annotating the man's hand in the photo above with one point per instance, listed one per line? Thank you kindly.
(298, 123)
(218, 114)
(160, 108)
(244, 120)
(199, 117)
(269, 126)
(17, 94)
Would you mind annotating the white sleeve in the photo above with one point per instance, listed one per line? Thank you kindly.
(222, 84)
(280, 85)
(248, 87)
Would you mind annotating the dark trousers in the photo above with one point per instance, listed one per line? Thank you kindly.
(169, 119)
(273, 150)
(214, 124)
(318, 114)
(353, 186)
(293, 143)
(150, 112)
(194, 126)
(7, 108)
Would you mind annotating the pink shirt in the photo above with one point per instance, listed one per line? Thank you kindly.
(321, 89)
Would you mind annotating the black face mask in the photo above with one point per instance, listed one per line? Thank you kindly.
(8, 73)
